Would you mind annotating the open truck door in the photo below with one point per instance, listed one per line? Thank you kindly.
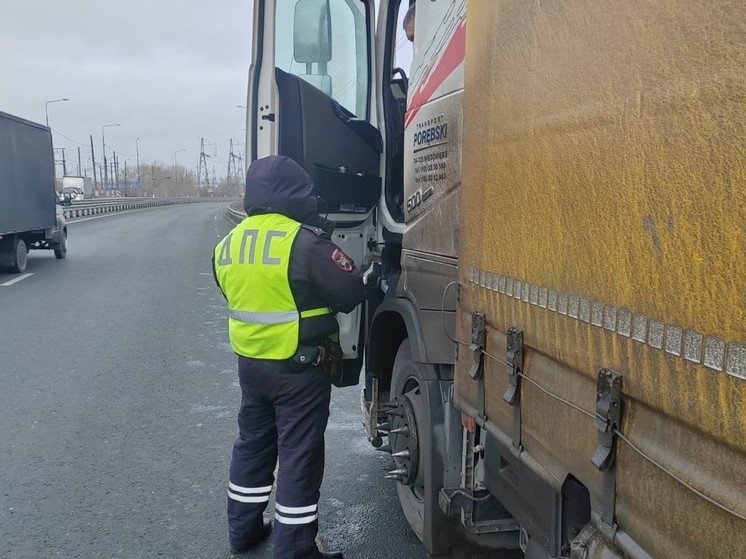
(310, 99)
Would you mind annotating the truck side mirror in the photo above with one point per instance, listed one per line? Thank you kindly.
(312, 32)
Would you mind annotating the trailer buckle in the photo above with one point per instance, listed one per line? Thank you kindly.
(478, 341)
(608, 416)
(514, 365)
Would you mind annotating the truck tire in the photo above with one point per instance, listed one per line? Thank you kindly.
(406, 387)
(20, 256)
(60, 251)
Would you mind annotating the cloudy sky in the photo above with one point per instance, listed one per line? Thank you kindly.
(168, 71)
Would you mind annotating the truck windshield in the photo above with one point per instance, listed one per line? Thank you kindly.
(342, 71)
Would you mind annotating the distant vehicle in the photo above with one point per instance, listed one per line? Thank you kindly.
(78, 187)
(74, 193)
(30, 217)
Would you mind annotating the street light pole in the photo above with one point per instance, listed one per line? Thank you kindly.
(176, 166)
(137, 151)
(46, 120)
(46, 107)
(103, 141)
(126, 182)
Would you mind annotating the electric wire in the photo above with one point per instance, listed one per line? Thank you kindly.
(69, 139)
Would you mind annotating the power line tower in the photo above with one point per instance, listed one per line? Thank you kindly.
(211, 182)
(202, 167)
(230, 162)
(234, 170)
(241, 168)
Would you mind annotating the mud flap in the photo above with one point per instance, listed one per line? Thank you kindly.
(440, 445)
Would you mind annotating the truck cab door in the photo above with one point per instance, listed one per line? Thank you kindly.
(310, 98)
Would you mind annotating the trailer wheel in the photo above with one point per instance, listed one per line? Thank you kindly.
(410, 415)
(20, 256)
(60, 250)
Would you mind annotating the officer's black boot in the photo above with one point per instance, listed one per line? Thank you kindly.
(254, 541)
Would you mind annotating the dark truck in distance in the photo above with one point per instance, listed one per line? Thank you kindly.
(29, 215)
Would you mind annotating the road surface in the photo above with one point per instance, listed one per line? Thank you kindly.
(118, 398)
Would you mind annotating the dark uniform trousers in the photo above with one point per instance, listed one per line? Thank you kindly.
(282, 413)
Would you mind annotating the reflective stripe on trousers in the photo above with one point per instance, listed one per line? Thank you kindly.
(249, 494)
(296, 515)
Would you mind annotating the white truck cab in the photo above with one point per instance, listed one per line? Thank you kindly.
(324, 89)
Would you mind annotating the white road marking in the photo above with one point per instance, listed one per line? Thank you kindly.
(16, 280)
(215, 219)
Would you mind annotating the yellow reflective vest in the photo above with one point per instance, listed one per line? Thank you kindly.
(252, 267)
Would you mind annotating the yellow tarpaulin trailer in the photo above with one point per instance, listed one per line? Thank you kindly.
(604, 218)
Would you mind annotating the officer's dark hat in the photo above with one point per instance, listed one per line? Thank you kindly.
(278, 184)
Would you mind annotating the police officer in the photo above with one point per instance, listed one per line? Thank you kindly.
(283, 279)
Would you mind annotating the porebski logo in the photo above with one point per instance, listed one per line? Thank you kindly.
(430, 135)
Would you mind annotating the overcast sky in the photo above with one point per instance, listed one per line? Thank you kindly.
(169, 71)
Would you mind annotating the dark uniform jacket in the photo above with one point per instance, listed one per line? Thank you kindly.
(320, 273)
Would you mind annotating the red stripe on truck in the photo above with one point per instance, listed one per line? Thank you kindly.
(452, 57)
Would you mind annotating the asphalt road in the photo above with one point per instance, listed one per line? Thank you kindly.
(118, 393)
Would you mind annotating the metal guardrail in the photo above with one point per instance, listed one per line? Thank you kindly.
(84, 208)
(236, 212)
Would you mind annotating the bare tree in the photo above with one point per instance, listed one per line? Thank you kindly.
(160, 181)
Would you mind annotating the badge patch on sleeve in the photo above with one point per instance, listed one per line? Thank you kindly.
(342, 260)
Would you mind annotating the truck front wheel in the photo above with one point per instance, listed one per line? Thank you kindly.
(20, 256)
(60, 251)
(407, 420)
(424, 446)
